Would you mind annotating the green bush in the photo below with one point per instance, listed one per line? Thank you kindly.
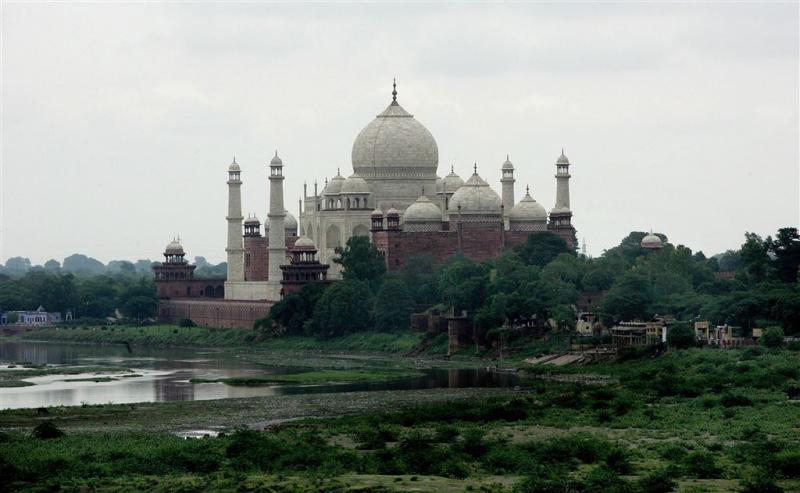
(660, 481)
(47, 430)
(701, 465)
(773, 337)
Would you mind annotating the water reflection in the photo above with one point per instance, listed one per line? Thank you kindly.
(165, 376)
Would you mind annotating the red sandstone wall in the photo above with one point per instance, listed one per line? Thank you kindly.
(256, 258)
(221, 314)
(256, 267)
(177, 288)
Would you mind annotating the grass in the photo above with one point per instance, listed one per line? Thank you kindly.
(173, 336)
(313, 377)
(15, 383)
(91, 379)
(697, 420)
(43, 370)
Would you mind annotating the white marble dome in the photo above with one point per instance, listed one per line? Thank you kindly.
(652, 242)
(335, 185)
(562, 159)
(475, 197)
(252, 220)
(174, 248)
(354, 184)
(289, 222)
(508, 164)
(234, 166)
(423, 210)
(304, 242)
(395, 143)
(452, 182)
(528, 209)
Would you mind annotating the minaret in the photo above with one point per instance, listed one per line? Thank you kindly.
(234, 249)
(561, 215)
(507, 182)
(277, 213)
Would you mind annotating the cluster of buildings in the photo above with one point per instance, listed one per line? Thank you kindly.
(24, 319)
(394, 196)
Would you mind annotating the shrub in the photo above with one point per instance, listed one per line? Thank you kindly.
(773, 337)
(760, 484)
(732, 400)
(701, 465)
(618, 460)
(788, 463)
(185, 322)
(446, 433)
(681, 336)
(47, 430)
(660, 481)
(604, 480)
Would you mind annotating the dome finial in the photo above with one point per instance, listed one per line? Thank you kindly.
(394, 90)
(423, 189)
(507, 159)
(452, 168)
(475, 168)
(234, 159)
(527, 189)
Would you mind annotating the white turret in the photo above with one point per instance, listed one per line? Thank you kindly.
(562, 185)
(234, 249)
(507, 182)
(277, 214)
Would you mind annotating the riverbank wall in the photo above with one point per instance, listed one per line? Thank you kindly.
(219, 314)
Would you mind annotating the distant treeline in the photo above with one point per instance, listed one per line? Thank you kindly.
(83, 265)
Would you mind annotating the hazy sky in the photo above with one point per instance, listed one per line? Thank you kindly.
(119, 121)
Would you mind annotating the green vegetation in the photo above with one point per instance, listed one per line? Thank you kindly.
(689, 420)
(173, 336)
(15, 383)
(29, 371)
(538, 284)
(321, 376)
(92, 298)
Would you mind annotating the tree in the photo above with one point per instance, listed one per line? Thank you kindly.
(344, 307)
(729, 261)
(773, 337)
(755, 258)
(419, 276)
(361, 261)
(786, 250)
(52, 265)
(78, 263)
(629, 298)
(18, 265)
(681, 336)
(139, 301)
(786, 310)
(393, 306)
(542, 248)
(290, 314)
(463, 283)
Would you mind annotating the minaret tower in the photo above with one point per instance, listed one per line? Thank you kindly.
(507, 182)
(561, 215)
(277, 213)
(235, 249)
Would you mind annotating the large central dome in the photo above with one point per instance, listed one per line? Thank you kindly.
(397, 156)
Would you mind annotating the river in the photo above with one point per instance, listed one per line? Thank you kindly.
(164, 375)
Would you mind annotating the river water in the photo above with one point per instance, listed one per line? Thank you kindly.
(164, 374)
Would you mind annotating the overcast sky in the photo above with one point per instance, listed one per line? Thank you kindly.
(119, 121)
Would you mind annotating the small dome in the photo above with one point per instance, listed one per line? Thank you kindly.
(355, 184)
(377, 213)
(234, 166)
(528, 210)
(507, 164)
(335, 185)
(305, 243)
(562, 159)
(174, 248)
(423, 210)
(652, 242)
(289, 222)
(476, 197)
(392, 212)
(276, 160)
(252, 220)
(452, 182)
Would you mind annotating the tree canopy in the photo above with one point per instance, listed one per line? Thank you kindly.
(361, 261)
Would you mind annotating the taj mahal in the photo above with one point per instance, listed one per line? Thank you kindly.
(394, 196)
